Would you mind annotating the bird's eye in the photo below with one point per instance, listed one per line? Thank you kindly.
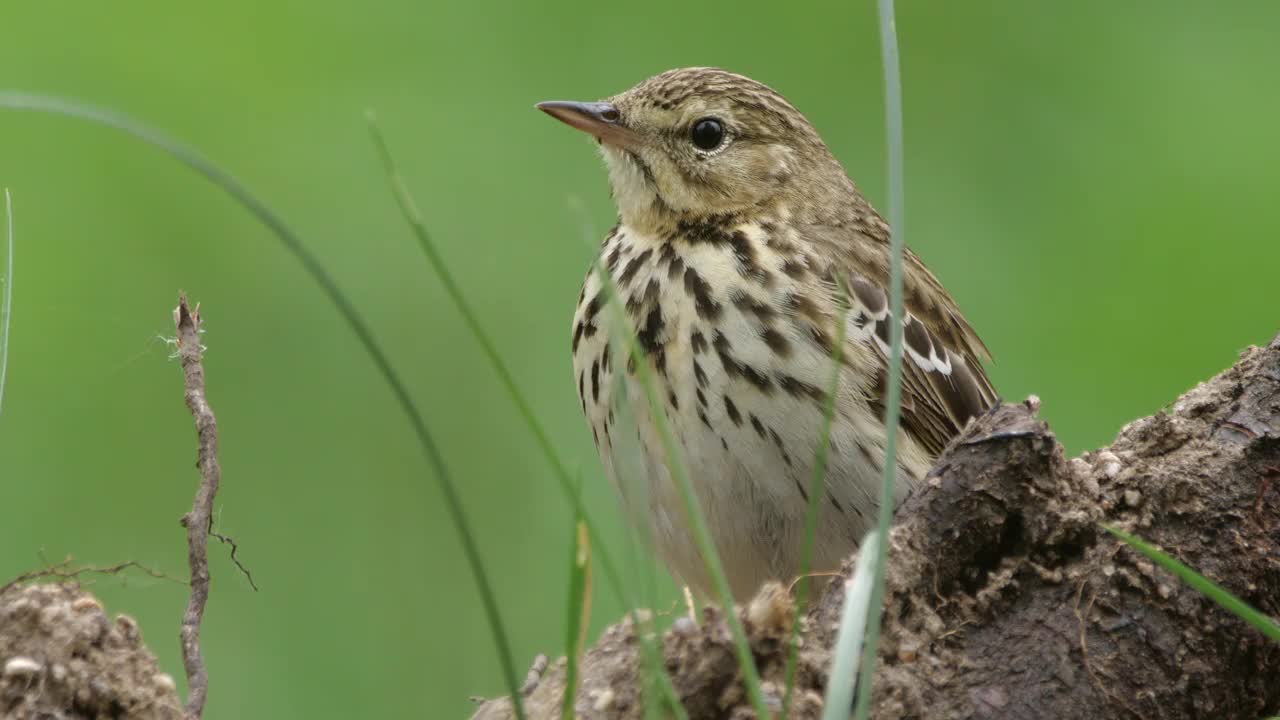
(707, 134)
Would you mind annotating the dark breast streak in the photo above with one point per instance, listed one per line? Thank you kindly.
(656, 283)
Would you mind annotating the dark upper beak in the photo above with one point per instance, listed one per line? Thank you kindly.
(600, 119)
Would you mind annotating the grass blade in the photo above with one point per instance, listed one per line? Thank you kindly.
(579, 611)
(627, 464)
(640, 554)
(893, 128)
(6, 301)
(853, 624)
(624, 456)
(197, 162)
(1215, 592)
(413, 217)
(693, 510)
(815, 493)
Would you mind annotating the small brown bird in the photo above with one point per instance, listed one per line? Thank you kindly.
(738, 235)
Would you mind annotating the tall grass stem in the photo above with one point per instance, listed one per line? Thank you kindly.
(816, 484)
(6, 299)
(853, 625)
(693, 511)
(893, 131)
(413, 217)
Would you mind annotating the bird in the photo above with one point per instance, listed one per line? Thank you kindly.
(740, 243)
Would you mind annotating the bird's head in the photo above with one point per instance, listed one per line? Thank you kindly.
(696, 142)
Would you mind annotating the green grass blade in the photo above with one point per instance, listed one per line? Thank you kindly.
(893, 128)
(409, 209)
(579, 610)
(197, 162)
(693, 510)
(624, 456)
(815, 493)
(1215, 592)
(6, 300)
(853, 625)
(658, 679)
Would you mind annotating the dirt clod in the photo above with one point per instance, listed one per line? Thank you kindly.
(63, 658)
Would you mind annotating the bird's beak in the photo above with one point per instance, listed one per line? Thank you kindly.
(600, 119)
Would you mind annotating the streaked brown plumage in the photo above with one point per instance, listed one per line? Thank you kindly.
(738, 232)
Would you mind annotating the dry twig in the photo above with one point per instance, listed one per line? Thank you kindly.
(197, 521)
(65, 571)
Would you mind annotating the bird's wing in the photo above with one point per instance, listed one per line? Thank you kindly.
(943, 381)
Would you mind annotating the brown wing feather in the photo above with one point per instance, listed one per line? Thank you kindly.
(943, 381)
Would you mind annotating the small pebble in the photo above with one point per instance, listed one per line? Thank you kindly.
(908, 652)
(1079, 466)
(1108, 464)
(934, 625)
(56, 615)
(1132, 498)
(604, 700)
(1091, 486)
(21, 667)
(684, 626)
(86, 603)
(165, 681)
(128, 627)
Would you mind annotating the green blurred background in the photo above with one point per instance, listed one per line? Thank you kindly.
(1095, 182)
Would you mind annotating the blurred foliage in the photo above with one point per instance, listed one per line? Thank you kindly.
(1094, 181)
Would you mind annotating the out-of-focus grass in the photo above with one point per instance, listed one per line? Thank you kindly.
(815, 494)
(579, 617)
(6, 292)
(893, 132)
(855, 615)
(225, 181)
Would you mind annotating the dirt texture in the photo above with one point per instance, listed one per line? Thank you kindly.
(61, 657)
(1005, 598)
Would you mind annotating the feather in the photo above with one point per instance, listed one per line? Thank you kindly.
(943, 382)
